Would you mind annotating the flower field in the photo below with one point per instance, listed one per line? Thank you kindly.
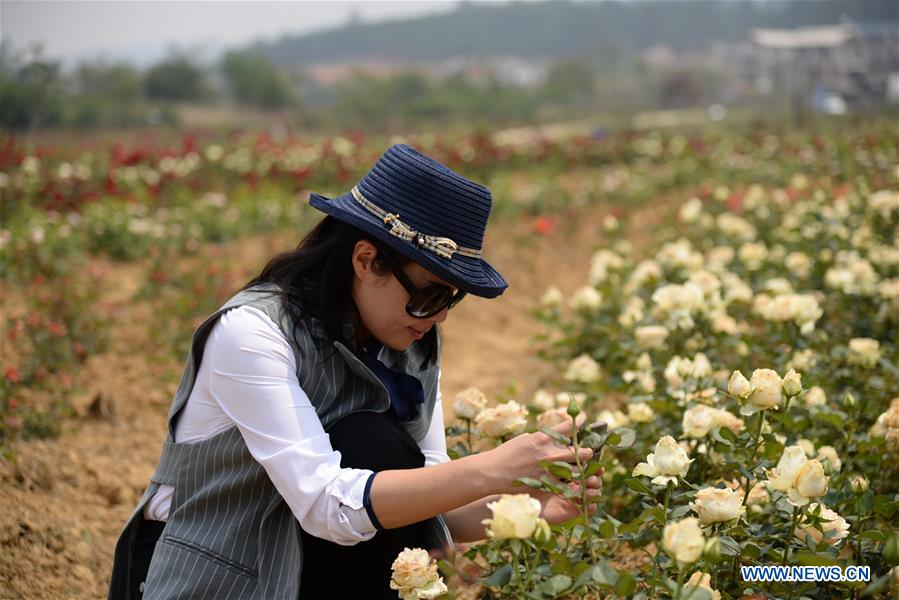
(742, 350)
(746, 361)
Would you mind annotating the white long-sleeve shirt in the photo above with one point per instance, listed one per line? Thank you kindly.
(247, 378)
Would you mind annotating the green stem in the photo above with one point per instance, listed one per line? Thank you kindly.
(468, 434)
(755, 450)
(668, 489)
(585, 512)
(680, 581)
(797, 511)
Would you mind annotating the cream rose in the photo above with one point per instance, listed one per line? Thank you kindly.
(738, 385)
(833, 525)
(699, 420)
(651, 336)
(792, 383)
(468, 403)
(514, 516)
(716, 505)
(701, 580)
(414, 575)
(810, 483)
(801, 479)
(864, 352)
(586, 298)
(666, 464)
(504, 420)
(583, 369)
(829, 457)
(640, 412)
(766, 392)
(683, 540)
(552, 297)
(543, 400)
(815, 396)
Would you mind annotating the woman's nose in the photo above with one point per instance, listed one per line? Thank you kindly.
(440, 317)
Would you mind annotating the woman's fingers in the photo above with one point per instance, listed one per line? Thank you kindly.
(565, 428)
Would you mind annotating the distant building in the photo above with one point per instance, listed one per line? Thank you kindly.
(853, 62)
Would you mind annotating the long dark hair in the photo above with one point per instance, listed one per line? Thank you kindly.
(315, 279)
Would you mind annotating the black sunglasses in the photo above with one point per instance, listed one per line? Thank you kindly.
(423, 302)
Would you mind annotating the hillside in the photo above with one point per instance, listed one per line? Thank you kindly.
(555, 29)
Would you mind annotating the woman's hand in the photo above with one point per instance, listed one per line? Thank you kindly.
(521, 457)
(557, 509)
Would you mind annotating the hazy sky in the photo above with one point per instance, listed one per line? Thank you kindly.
(141, 32)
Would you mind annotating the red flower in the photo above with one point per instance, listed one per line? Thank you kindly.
(34, 319)
(78, 349)
(735, 202)
(12, 375)
(544, 225)
(57, 329)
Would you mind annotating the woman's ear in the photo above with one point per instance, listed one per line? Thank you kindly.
(364, 254)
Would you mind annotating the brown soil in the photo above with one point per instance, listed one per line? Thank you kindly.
(63, 501)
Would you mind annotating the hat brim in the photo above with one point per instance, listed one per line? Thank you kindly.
(472, 275)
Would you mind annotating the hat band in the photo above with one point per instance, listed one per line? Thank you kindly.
(442, 246)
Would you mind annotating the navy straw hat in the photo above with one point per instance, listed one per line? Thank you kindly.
(425, 211)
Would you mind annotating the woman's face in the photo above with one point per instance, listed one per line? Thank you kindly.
(382, 299)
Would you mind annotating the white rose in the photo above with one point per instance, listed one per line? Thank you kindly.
(715, 505)
(864, 352)
(766, 391)
(690, 210)
(614, 418)
(699, 420)
(666, 464)
(738, 385)
(701, 580)
(586, 298)
(415, 577)
(810, 483)
(831, 523)
(807, 446)
(651, 336)
(583, 369)
(543, 400)
(468, 403)
(640, 412)
(828, 455)
(552, 297)
(683, 540)
(783, 476)
(502, 421)
(514, 516)
(815, 396)
(792, 383)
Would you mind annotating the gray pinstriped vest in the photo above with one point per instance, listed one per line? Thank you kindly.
(229, 533)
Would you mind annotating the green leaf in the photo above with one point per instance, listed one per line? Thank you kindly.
(556, 585)
(561, 438)
(873, 534)
(813, 559)
(724, 435)
(638, 486)
(679, 512)
(560, 469)
(500, 577)
(528, 481)
(622, 437)
(878, 586)
(626, 584)
(606, 529)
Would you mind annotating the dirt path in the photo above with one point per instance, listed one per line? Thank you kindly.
(64, 502)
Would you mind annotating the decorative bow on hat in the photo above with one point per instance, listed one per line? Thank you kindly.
(442, 246)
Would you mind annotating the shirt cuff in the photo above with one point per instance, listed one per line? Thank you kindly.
(366, 502)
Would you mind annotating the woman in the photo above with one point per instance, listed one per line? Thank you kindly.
(308, 449)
